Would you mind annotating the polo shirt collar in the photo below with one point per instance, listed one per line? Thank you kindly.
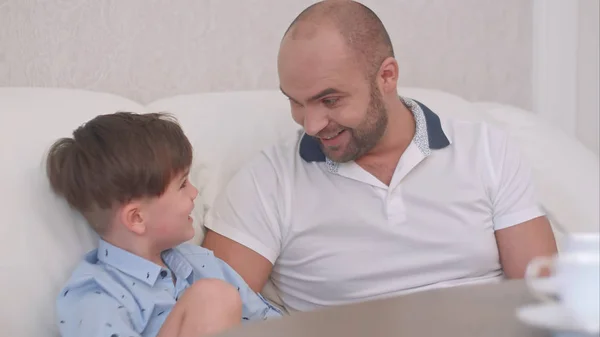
(429, 134)
(140, 268)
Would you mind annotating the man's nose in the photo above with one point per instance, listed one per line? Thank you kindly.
(315, 120)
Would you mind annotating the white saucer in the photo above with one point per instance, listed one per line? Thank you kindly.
(547, 286)
(553, 317)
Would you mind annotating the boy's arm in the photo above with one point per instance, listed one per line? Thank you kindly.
(254, 306)
(97, 314)
(92, 313)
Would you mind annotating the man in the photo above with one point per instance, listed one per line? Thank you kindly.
(378, 196)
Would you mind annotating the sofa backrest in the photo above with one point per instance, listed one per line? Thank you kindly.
(42, 239)
(226, 129)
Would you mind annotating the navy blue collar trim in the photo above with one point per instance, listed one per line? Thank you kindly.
(310, 148)
(435, 134)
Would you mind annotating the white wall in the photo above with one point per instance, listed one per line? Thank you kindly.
(587, 74)
(149, 49)
(565, 66)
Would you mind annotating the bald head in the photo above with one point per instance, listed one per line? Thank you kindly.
(361, 30)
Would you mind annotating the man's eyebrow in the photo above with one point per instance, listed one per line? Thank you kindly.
(286, 95)
(321, 94)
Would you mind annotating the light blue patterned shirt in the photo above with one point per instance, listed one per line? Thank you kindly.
(114, 293)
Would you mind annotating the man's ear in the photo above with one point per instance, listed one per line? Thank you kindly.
(131, 216)
(388, 75)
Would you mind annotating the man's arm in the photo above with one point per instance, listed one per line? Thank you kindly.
(517, 245)
(244, 224)
(253, 267)
(254, 306)
(522, 230)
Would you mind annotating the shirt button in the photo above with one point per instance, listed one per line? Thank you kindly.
(163, 273)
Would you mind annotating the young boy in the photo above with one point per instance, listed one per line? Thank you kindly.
(127, 174)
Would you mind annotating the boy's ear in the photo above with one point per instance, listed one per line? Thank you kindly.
(132, 218)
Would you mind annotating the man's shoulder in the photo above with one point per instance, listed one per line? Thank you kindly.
(482, 143)
(286, 148)
(466, 133)
(278, 158)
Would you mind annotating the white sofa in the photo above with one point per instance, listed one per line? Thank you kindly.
(42, 239)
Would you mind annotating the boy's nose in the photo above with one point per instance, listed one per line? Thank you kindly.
(194, 192)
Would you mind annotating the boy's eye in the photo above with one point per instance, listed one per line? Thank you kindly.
(184, 184)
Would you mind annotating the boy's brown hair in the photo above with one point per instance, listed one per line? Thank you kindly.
(116, 158)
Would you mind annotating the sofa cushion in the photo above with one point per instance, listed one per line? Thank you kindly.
(566, 172)
(42, 239)
(226, 129)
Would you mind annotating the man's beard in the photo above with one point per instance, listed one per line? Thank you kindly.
(364, 137)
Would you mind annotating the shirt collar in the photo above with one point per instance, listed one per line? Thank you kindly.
(179, 265)
(429, 135)
(140, 268)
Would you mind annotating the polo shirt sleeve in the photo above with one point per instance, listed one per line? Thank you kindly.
(91, 312)
(249, 209)
(514, 198)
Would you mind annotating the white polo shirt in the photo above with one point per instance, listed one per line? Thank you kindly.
(335, 234)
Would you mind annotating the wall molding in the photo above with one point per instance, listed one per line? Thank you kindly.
(555, 42)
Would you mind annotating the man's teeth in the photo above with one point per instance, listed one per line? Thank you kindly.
(333, 136)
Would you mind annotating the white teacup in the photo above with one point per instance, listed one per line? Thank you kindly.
(581, 242)
(576, 279)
